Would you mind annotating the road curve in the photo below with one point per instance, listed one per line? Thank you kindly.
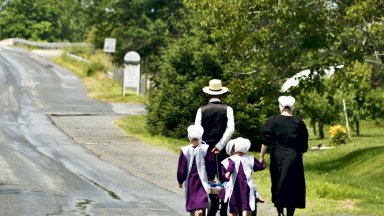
(43, 171)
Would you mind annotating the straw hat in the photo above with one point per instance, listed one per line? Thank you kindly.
(286, 101)
(215, 88)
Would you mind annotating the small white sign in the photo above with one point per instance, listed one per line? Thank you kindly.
(132, 77)
(110, 45)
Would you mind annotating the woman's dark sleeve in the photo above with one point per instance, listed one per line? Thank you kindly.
(268, 133)
(304, 137)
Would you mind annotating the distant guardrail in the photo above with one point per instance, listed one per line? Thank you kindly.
(78, 58)
(48, 45)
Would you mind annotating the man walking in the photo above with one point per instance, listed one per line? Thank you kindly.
(218, 122)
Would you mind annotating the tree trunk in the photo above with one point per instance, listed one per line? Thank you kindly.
(313, 123)
(357, 128)
(321, 130)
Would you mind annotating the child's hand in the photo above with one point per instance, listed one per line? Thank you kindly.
(227, 175)
(261, 160)
(180, 185)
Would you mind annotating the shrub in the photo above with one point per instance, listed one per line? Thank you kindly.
(93, 68)
(338, 135)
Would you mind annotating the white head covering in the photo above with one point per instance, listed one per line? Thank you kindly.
(229, 146)
(242, 145)
(195, 132)
(286, 101)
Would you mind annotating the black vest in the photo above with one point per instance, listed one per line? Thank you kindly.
(214, 121)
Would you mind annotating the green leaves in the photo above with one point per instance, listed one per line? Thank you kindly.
(46, 20)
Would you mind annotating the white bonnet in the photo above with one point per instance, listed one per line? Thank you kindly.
(195, 132)
(242, 145)
(229, 146)
(286, 101)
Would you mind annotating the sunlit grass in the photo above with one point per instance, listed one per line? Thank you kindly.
(349, 178)
(135, 126)
(76, 67)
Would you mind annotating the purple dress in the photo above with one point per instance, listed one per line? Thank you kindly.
(240, 199)
(196, 194)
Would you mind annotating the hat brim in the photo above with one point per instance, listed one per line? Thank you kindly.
(210, 92)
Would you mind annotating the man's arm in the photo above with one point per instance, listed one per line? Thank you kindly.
(229, 131)
(198, 117)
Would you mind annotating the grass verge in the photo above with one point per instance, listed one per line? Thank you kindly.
(135, 126)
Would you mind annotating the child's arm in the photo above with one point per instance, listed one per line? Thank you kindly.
(182, 169)
(230, 169)
(227, 175)
(223, 171)
(257, 165)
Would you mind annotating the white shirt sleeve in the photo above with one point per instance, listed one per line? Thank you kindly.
(198, 117)
(228, 132)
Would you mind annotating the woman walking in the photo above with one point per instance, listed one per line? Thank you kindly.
(288, 137)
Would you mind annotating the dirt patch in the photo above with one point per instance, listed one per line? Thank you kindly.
(348, 204)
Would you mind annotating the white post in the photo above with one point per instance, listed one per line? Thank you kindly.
(346, 118)
(131, 78)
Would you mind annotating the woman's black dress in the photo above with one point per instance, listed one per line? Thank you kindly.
(288, 137)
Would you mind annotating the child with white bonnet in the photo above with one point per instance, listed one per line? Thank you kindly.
(192, 171)
(240, 190)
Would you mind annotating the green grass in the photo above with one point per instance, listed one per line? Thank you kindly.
(345, 180)
(135, 126)
(349, 178)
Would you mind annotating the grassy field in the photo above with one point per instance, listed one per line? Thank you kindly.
(346, 180)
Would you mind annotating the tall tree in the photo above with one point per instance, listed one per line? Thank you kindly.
(362, 97)
(143, 26)
(50, 20)
(269, 41)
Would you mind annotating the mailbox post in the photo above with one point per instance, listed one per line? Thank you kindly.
(131, 74)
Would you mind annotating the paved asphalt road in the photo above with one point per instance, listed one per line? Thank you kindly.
(43, 171)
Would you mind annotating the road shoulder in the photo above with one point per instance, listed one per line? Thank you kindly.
(104, 139)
